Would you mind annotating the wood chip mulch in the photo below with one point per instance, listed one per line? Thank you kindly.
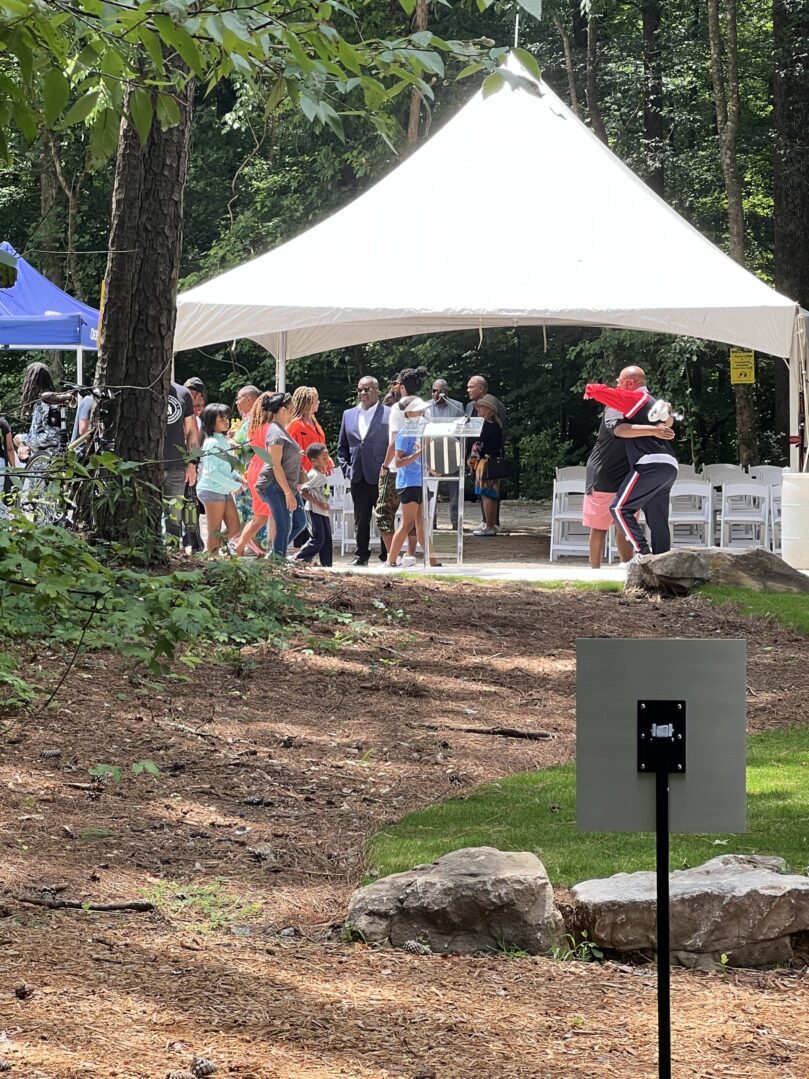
(275, 769)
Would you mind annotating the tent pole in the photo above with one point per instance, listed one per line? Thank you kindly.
(80, 366)
(797, 395)
(281, 364)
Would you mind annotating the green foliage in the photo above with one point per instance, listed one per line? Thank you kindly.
(540, 455)
(115, 772)
(536, 812)
(55, 589)
(581, 948)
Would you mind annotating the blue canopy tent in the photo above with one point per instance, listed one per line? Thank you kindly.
(35, 314)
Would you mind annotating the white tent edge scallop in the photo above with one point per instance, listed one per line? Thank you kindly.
(627, 260)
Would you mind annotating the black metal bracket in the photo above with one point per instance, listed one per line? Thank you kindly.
(661, 736)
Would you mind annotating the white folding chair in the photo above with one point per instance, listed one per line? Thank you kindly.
(775, 518)
(771, 474)
(717, 475)
(572, 472)
(744, 514)
(690, 521)
(568, 535)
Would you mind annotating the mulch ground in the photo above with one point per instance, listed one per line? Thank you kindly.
(275, 769)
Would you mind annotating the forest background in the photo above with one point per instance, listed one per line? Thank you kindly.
(685, 92)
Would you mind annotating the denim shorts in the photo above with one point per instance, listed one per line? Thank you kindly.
(211, 497)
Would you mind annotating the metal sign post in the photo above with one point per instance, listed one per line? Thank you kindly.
(661, 751)
(632, 701)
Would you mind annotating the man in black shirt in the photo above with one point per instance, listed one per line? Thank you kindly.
(181, 437)
(652, 472)
(607, 467)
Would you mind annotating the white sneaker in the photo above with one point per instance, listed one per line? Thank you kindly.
(408, 561)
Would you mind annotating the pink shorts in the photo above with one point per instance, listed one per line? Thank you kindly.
(595, 511)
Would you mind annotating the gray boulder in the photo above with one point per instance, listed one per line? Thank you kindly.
(679, 571)
(744, 907)
(473, 900)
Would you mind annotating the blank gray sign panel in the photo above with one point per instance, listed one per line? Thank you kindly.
(612, 675)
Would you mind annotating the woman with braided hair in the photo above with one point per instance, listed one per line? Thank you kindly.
(43, 433)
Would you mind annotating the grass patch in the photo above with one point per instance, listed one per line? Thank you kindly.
(786, 608)
(536, 811)
(200, 907)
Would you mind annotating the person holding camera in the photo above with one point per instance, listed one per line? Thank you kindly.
(442, 409)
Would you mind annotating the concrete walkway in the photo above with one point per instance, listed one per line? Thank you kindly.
(499, 571)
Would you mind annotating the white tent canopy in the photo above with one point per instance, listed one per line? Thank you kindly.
(514, 213)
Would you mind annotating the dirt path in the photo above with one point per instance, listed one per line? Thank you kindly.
(276, 767)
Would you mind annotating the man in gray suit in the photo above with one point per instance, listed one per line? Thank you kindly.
(361, 450)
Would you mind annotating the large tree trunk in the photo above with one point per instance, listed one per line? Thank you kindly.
(791, 174)
(415, 96)
(727, 101)
(653, 138)
(593, 106)
(137, 328)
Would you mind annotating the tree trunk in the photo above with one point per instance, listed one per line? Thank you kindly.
(653, 138)
(593, 107)
(726, 99)
(49, 232)
(71, 189)
(137, 329)
(569, 65)
(791, 175)
(415, 96)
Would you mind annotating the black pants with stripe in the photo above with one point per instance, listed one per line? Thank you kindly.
(646, 488)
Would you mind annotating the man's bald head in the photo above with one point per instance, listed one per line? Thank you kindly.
(631, 378)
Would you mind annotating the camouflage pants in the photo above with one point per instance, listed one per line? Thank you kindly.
(388, 502)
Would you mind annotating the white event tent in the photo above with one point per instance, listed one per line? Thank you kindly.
(513, 213)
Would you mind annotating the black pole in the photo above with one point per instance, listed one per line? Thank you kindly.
(663, 926)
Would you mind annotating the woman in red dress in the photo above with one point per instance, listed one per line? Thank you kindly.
(260, 420)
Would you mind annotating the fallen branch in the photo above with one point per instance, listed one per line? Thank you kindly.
(498, 732)
(140, 905)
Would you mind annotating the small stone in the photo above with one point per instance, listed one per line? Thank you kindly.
(23, 991)
(288, 932)
(5, 1065)
(181, 1074)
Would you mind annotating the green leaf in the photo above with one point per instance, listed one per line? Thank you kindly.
(145, 766)
(277, 95)
(470, 69)
(529, 62)
(533, 7)
(104, 138)
(141, 110)
(408, 6)
(26, 120)
(151, 43)
(55, 94)
(81, 109)
(168, 111)
(492, 83)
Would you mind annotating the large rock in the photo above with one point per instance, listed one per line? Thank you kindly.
(744, 907)
(472, 900)
(677, 572)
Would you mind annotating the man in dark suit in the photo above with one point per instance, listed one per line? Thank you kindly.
(361, 450)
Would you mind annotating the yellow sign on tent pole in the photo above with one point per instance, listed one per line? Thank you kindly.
(742, 366)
